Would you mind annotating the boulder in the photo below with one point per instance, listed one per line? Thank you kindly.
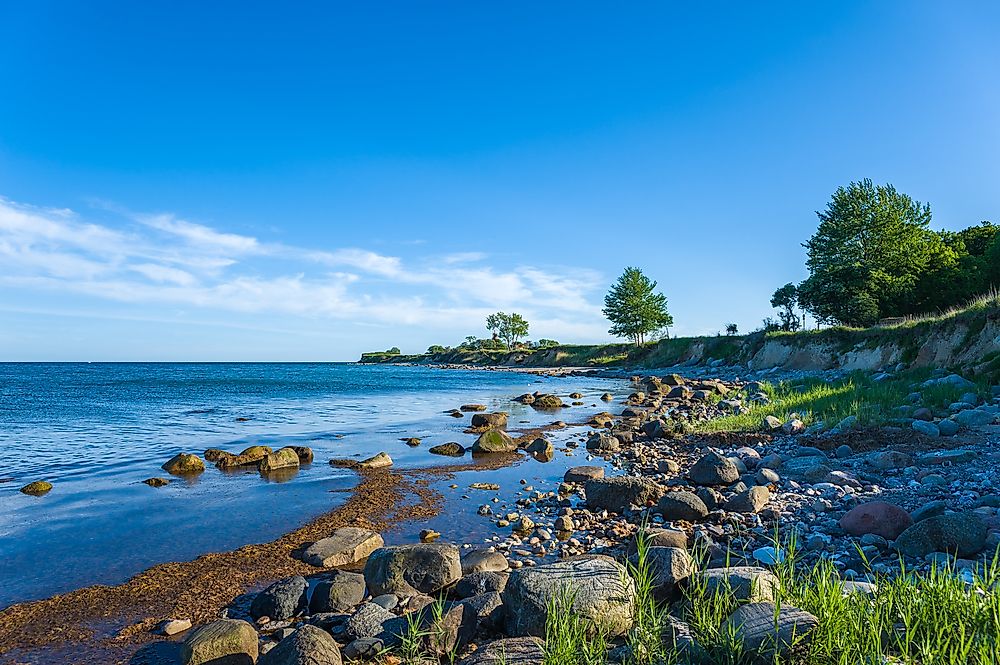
(282, 600)
(975, 418)
(156, 482)
(618, 493)
(601, 442)
(222, 642)
(541, 447)
(284, 458)
(472, 407)
(450, 449)
(666, 538)
(714, 469)
(367, 622)
(768, 630)
(668, 567)
(339, 593)
(547, 402)
(752, 500)
(511, 651)
(743, 583)
(877, 517)
(184, 464)
(308, 645)
(926, 428)
(379, 461)
(494, 441)
(478, 561)
(410, 570)
(496, 420)
(682, 505)
(474, 584)
(345, 546)
(249, 457)
(39, 487)
(581, 474)
(962, 534)
(597, 588)
(304, 453)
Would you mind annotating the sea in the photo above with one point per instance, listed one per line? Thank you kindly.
(97, 430)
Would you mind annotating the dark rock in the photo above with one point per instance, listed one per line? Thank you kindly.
(618, 493)
(308, 645)
(342, 591)
(282, 600)
(963, 534)
(409, 570)
(714, 469)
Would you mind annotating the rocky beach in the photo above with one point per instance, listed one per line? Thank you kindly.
(645, 504)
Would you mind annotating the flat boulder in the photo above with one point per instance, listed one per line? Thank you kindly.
(184, 464)
(282, 600)
(494, 441)
(963, 534)
(478, 561)
(682, 505)
(471, 408)
(222, 642)
(450, 449)
(411, 570)
(308, 645)
(714, 469)
(769, 631)
(877, 517)
(618, 493)
(743, 583)
(581, 474)
(345, 546)
(511, 651)
(379, 461)
(597, 588)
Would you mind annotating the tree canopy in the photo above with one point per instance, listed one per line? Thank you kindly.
(634, 307)
(507, 327)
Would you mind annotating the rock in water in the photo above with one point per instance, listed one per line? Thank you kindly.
(547, 402)
(472, 407)
(184, 464)
(308, 645)
(345, 546)
(963, 534)
(598, 588)
(494, 441)
(156, 482)
(411, 570)
(342, 591)
(37, 488)
(603, 443)
(305, 454)
(767, 630)
(282, 600)
(225, 641)
(496, 420)
(878, 517)
(450, 449)
(380, 461)
(285, 458)
(618, 493)
(714, 469)
(682, 506)
(581, 474)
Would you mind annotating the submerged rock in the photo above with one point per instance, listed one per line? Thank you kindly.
(184, 464)
(450, 449)
(156, 482)
(37, 488)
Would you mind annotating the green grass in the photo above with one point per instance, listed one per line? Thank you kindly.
(818, 400)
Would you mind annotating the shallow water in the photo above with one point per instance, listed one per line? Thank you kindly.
(97, 430)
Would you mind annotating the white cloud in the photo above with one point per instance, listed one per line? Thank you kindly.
(161, 259)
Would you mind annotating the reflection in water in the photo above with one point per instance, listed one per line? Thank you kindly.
(282, 475)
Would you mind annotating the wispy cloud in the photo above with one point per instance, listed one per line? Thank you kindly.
(150, 259)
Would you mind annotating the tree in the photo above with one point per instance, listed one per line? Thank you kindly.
(865, 258)
(547, 343)
(394, 351)
(507, 327)
(732, 329)
(634, 308)
(785, 299)
(435, 349)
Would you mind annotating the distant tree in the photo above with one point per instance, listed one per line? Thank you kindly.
(785, 300)
(547, 343)
(435, 349)
(732, 329)
(509, 328)
(634, 308)
(394, 351)
(770, 325)
(865, 258)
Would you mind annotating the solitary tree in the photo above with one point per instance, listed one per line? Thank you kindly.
(634, 308)
(785, 300)
(865, 258)
(507, 327)
(732, 329)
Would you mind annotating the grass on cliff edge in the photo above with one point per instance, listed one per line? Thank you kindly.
(934, 619)
(857, 394)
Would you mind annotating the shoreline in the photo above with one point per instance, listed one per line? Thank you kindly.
(117, 620)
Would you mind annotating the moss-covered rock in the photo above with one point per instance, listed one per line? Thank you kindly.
(285, 458)
(547, 402)
(494, 441)
(156, 482)
(450, 449)
(37, 488)
(184, 464)
(250, 457)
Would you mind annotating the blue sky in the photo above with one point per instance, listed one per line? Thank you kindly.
(243, 181)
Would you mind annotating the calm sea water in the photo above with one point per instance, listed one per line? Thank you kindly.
(97, 430)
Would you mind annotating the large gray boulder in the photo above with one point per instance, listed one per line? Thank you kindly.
(345, 546)
(963, 534)
(767, 630)
(222, 642)
(411, 570)
(339, 593)
(282, 600)
(367, 622)
(618, 493)
(597, 588)
(668, 567)
(714, 469)
(308, 645)
(681, 506)
(743, 583)
(512, 651)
